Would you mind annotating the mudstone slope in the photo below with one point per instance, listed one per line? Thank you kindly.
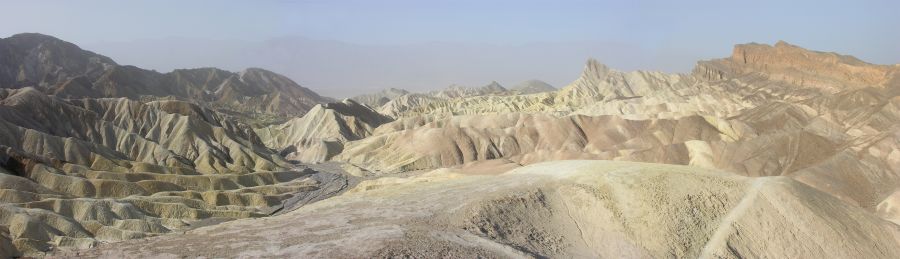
(774, 151)
(93, 152)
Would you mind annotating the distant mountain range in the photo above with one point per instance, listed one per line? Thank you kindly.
(532, 87)
(458, 91)
(62, 69)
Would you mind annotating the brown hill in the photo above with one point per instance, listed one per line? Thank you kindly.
(60, 68)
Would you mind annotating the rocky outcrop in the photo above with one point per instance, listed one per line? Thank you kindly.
(799, 72)
(642, 94)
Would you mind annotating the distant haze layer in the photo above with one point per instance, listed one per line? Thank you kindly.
(340, 69)
(364, 46)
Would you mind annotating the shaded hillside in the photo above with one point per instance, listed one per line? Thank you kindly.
(379, 98)
(60, 68)
(320, 134)
(91, 151)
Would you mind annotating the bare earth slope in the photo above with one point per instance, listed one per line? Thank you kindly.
(379, 98)
(556, 209)
(743, 117)
(599, 91)
(78, 171)
(775, 151)
(78, 167)
(320, 134)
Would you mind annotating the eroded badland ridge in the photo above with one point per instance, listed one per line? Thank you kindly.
(774, 151)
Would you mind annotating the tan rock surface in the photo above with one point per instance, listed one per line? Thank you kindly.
(320, 134)
(599, 91)
(780, 152)
(415, 143)
(555, 209)
(842, 141)
(79, 171)
(532, 87)
(380, 98)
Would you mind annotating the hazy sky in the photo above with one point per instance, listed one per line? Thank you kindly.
(341, 48)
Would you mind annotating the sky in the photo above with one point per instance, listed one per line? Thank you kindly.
(343, 48)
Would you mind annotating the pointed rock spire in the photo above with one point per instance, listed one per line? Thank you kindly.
(594, 69)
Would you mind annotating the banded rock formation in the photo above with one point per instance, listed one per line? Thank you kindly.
(773, 145)
(840, 141)
(79, 171)
(414, 143)
(556, 209)
(78, 167)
